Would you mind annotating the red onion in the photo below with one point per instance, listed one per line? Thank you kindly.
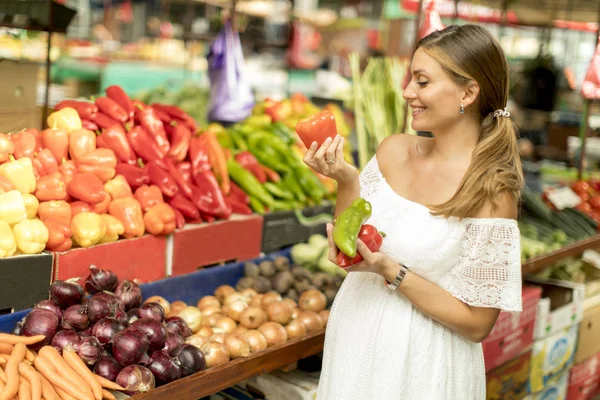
(66, 293)
(86, 332)
(191, 359)
(103, 305)
(173, 343)
(66, 339)
(152, 310)
(154, 331)
(90, 350)
(49, 305)
(111, 297)
(130, 347)
(100, 280)
(132, 315)
(105, 329)
(164, 368)
(40, 321)
(130, 294)
(107, 368)
(178, 325)
(121, 315)
(76, 317)
(136, 379)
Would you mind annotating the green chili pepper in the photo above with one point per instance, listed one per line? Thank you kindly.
(225, 140)
(284, 133)
(256, 205)
(238, 140)
(271, 151)
(290, 182)
(348, 224)
(248, 182)
(278, 191)
(279, 205)
(310, 183)
(258, 121)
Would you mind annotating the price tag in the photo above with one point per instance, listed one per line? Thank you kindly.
(564, 198)
(591, 257)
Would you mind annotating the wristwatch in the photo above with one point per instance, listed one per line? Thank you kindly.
(399, 278)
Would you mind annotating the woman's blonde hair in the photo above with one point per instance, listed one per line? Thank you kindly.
(470, 53)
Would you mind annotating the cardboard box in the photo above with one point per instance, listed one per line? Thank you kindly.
(561, 306)
(278, 385)
(509, 381)
(18, 108)
(550, 357)
(556, 389)
(588, 344)
(584, 380)
(200, 245)
(24, 280)
(513, 332)
(143, 258)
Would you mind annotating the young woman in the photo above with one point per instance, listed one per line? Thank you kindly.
(408, 320)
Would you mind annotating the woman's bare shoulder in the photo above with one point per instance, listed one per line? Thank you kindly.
(400, 148)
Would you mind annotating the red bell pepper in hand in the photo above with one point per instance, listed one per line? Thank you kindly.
(55, 210)
(250, 163)
(7, 148)
(161, 178)
(218, 160)
(87, 187)
(100, 162)
(117, 94)
(104, 121)
(111, 108)
(116, 140)
(148, 196)
(135, 175)
(239, 194)
(186, 207)
(185, 169)
(85, 109)
(160, 219)
(129, 212)
(5, 185)
(118, 188)
(154, 126)
(81, 141)
(180, 142)
(45, 163)
(51, 187)
(177, 113)
(179, 219)
(59, 235)
(25, 144)
(371, 237)
(199, 155)
(143, 145)
(207, 195)
(57, 141)
(317, 128)
(80, 206)
(89, 125)
(271, 175)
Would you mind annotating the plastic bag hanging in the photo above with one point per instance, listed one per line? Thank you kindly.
(590, 88)
(231, 99)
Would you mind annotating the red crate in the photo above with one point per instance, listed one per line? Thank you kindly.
(584, 380)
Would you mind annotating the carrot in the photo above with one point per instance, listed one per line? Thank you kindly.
(12, 372)
(2, 376)
(108, 384)
(6, 348)
(24, 391)
(14, 339)
(33, 378)
(30, 355)
(84, 372)
(45, 367)
(63, 369)
(106, 395)
(47, 389)
(2, 385)
(65, 396)
(3, 359)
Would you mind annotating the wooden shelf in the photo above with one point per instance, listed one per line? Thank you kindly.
(223, 376)
(537, 264)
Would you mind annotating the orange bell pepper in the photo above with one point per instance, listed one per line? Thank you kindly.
(118, 188)
(160, 219)
(81, 141)
(7, 148)
(39, 146)
(58, 210)
(217, 158)
(68, 169)
(100, 162)
(57, 141)
(25, 144)
(45, 163)
(87, 187)
(129, 212)
(149, 196)
(80, 206)
(59, 235)
(51, 187)
(102, 207)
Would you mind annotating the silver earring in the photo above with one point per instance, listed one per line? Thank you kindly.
(462, 108)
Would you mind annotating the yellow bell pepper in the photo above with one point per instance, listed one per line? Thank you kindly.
(88, 228)
(114, 228)
(31, 236)
(66, 119)
(8, 245)
(12, 207)
(20, 174)
(31, 205)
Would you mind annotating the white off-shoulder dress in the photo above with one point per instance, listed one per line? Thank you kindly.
(378, 346)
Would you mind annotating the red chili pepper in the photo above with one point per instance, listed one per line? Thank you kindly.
(116, 140)
(182, 184)
(272, 176)
(180, 141)
(317, 128)
(135, 175)
(186, 207)
(163, 116)
(176, 112)
(85, 109)
(179, 219)
(239, 194)
(104, 121)
(185, 169)
(238, 207)
(199, 155)
(111, 108)
(250, 163)
(161, 178)
(87, 124)
(209, 218)
(143, 144)
(371, 237)
(45, 163)
(154, 127)
(117, 94)
(208, 197)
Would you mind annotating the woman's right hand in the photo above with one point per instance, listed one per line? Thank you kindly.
(329, 160)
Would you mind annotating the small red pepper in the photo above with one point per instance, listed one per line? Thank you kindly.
(148, 196)
(104, 121)
(250, 163)
(317, 128)
(87, 124)
(186, 207)
(177, 113)
(68, 169)
(239, 194)
(117, 94)
(185, 169)
(87, 187)
(238, 207)
(272, 176)
(161, 178)
(111, 108)
(59, 235)
(55, 210)
(164, 117)
(81, 142)
(209, 218)
(57, 141)
(371, 237)
(207, 195)
(85, 109)
(115, 139)
(143, 145)
(182, 184)
(155, 128)
(80, 206)
(51, 187)
(179, 219)
(199, 155)
(25, 144)
(180, 142)
(100, 162)
(135, 175)
(45, 163)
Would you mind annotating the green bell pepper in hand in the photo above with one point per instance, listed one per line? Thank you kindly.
(248, 182)
(348, 224)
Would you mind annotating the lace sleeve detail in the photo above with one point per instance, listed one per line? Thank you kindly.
(488, 271)
(369, 177)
